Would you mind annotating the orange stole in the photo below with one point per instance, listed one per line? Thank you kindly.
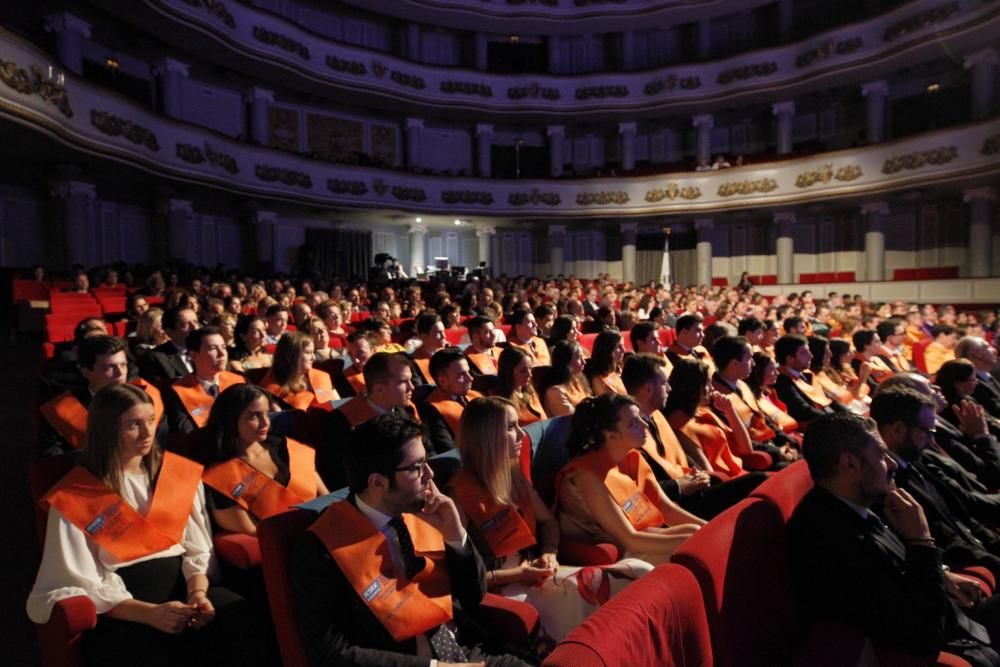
(486, 364)
(813, 392)
(529, 413)
(710, 433)
(112, 524)
(898, 359)
(320, 394)
(536, 349)
(880, 370)
(357, 410)
(261, 495)
(68, 416)
(197, 400)
(405, 608)
(356, 379)
(627, 492)
(504, 527)
(673, 460)
(613, 381)
(423, 365)
(449, 408)
(748, 410)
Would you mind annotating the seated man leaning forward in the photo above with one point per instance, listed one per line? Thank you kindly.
(886, 581)
(375, 578)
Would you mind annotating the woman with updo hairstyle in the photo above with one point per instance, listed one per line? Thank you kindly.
(763, 376)
(251, 338)
(717, 446)
(292, 378)
(608, 493)
(127, 527)
(603, 369)
(566, 385)
(514, 384)
(514, 530)
(251, 473)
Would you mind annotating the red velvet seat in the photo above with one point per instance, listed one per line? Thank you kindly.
(667, 336)
(30, 290)
(658, 622)
(587, 342)
(919, 360)
(514, 620)
(455, 336)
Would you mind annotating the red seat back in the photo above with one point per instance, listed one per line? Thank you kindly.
(659, 622)
(30, 290)
(919, 360)
(667, 336)
(587, 342)
(787, 488)
(276, 536)
(454, 336)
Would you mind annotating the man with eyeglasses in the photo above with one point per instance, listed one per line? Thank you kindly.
(906, 423)
(375, 578)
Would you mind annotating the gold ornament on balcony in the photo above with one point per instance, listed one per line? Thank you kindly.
(50, 88)
(918, 159)
(602, 198)
(761, 185)
(672, 191)
(115, 126)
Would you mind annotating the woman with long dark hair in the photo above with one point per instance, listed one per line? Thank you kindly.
(603, 369)
(251, 339)
(128, 529)
(514, 384)
(607, 492)
(761, 380)
(566, 385)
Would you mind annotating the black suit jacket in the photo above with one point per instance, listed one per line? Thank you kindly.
(799, 406)
(338, 628)
(440, 437)
(163, 362)
(987, 394)
(980, 456)
(845, 571)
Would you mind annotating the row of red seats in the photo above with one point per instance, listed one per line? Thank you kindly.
(932, 273)
(827, 277)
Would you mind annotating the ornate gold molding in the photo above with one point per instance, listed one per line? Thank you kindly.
(466, 88)
(35, 83)
(114, 126)
(746, 72)
(403, 193)
(602, 198)
(601, 92)
(672, 192)
(762, 185)
(991, 146)
(223, 160)
(216, 9)
(918, 21)
(190, 153)
(283, 42)
(271, 174)
(918, 159)
(345, 187)
(535, 197)
(467, 197)
(672, 82)
(826, 173)
(849, 173)
(534, 91)
(354, 67)
(828, 49)
(402, 78)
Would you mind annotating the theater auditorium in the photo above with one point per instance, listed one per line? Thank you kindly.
(431, 333)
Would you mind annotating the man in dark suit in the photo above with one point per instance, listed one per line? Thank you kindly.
(886, 581)
(169, 361)
(984, 357)
(805, 403)
(389, 603)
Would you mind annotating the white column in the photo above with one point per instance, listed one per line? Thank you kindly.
(629, 231)
(980, 201)
(172, 74)
(628, 50)
(703, 251)
(704, 124)
(626, 133)
(70, 31)
(876, 93)
(704, 39)
(484, 149)
(414, 127)
(983, 65)
(785, 246)
(485, 233)
(556, 134)
(482, 52)
(786, 19)
(785, 112)
(418, 263)
(874, 214)
(413, 45)
(259, 99)
(79, 219)
(557, 236)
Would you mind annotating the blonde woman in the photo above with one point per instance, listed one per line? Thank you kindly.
(149, 331)
(514, 530)
(292, 378)
(320, 334)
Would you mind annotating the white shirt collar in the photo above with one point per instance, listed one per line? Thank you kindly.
(862, 511)
(379, 410)
(792, 373)
(378, 518)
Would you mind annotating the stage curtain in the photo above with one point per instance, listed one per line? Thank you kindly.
(338, 252)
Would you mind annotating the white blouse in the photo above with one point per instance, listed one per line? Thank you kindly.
(73, 565)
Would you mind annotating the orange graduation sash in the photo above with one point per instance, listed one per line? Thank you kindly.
(424, 366)
(813, 392)
(357, 410)
(449, 408)
(486, 364)
(673, 460)
(68, 416)
(261, 495)
(536, 349)
(747, 409)
(880, 370)
(320, 393)
(113, 524)
(626, 491)
(505, 529)
(356, 379)
(198, 401)
(406, 608)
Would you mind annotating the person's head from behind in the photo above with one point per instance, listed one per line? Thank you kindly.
(389, 379)
(690, 330)
(957, 379)
(121, 428)
(102, 361)
(905, 420)
(689, 386)
(293, 357)
(646, 380)
(178, 322)
(207, 349)
(733, 357)
(240, 417)
(846, 456)
(430, 330)
(611, 422)
(387, 464)
(793, 352)
(489, 441)
(918, 383)
(513, 371)
(482, 332)
(450, 370)
(87, 327)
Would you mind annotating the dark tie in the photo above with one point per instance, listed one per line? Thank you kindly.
(651, 425)
(213, 390)
(442, 639)
(876, 524)
(462, 400)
